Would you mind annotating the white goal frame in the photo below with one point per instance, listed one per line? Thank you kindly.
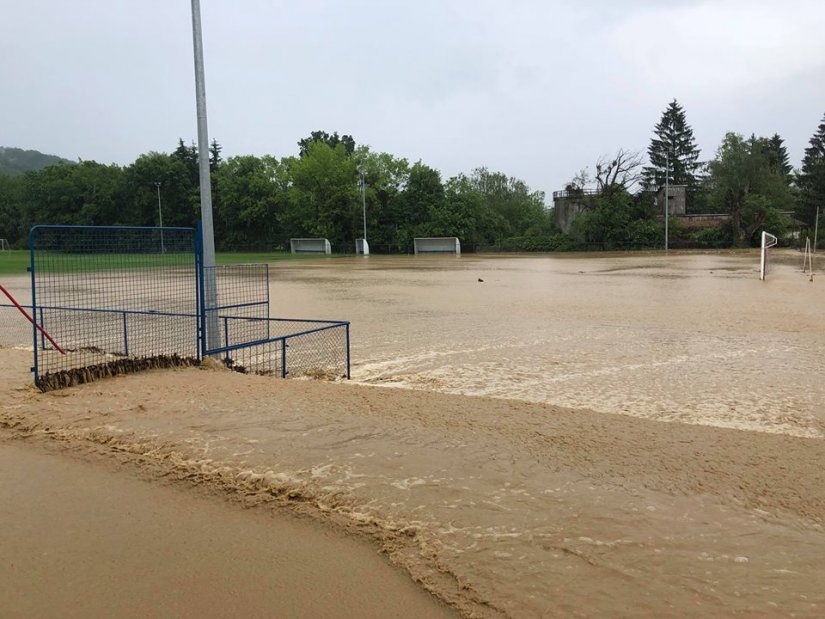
(362, 247)
(437, 245)
(768, 241)
(310, 246)
(4, 245)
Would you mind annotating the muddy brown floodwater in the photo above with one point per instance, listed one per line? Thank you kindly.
(596, 435)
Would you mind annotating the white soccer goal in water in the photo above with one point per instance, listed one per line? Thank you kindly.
(4, 245)
(768, 241)
(437, 244)
(362, 247)
(310, 246)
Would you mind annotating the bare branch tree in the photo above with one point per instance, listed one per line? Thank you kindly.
(623, 170)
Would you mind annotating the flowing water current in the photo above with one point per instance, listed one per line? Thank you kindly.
(503, 505)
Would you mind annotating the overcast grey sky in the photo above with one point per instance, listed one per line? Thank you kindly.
(535, 89)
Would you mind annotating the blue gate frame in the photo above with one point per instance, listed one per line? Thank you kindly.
(268, 345)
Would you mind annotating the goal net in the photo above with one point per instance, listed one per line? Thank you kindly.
(440, 245)
(768, 241)
(310, 246)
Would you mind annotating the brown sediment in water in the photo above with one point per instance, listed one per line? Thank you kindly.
(526, 503)
(498, 507)
(80, 538)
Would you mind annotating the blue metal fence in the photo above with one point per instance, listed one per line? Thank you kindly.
(122, 299)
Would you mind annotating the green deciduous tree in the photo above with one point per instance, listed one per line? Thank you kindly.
(746, 184)
(12, 218)
(323, 197)
(617, 220)
(139, 195)
(330, 140)
(87, 193)
(253, 203)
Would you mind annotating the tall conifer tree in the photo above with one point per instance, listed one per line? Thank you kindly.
(811, 178)
(673, 136)
(778, 157)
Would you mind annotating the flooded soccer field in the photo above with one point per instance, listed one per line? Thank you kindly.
(689, 337)
(488, 466)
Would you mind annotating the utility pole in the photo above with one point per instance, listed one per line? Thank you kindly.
(364, 246)
(160, 220)
(667, 193)
(364, 203)
(210, 293)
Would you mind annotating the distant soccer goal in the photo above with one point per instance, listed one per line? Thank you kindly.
(310, 246)
(768, 241)
(4, 245)
(438, 245)
(362, 247)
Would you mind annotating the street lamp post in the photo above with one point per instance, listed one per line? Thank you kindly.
(160, 220)
(364, 245)
(667, 194)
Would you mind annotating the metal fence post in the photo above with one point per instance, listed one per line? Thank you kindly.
(125, 336)
(34, 302)
(42, 337)
(348, 355)
(283, 358)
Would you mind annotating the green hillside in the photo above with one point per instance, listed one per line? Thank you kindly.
(15, 161)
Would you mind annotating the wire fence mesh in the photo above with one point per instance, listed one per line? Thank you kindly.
(15, 330)
(242, 292)
(112, 298)
(294, 348)
(117, 300)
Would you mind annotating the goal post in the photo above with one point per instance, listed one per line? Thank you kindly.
(310, 246)
(4, 245)
(768, 241)
(437, 245)
(362, 247)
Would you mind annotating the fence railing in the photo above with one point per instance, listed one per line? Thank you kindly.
(287, 347)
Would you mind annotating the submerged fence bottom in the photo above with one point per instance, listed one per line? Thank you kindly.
(103, 343)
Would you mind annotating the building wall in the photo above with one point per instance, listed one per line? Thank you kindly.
(565, 210)
(677, 202)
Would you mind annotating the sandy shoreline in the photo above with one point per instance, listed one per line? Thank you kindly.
(500, 508)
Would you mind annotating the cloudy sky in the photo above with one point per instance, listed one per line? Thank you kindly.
(535, 89)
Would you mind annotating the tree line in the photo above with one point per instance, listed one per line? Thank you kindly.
(750, 179)
(261, 202)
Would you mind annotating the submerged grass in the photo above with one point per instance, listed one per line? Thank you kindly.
(16, 261)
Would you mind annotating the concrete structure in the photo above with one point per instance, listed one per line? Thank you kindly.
(567, 205)
(310, 246)
(677, 203)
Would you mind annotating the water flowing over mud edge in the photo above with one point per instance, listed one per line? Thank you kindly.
(523, 470)
(499, 508)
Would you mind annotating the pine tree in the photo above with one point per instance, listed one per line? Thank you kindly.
(811, 178)
(214, 155)
(674, 141)
(778, 157)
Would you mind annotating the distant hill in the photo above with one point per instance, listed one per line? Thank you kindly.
(14, 161)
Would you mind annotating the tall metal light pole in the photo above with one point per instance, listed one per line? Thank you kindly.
(667, 193)
(210, 292)
(160, 220)
(364, 204)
